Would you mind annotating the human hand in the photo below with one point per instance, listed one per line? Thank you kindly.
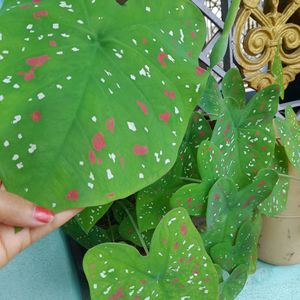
(36, 222)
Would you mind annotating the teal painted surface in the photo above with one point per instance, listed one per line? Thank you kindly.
(45, 271)
(273, 283)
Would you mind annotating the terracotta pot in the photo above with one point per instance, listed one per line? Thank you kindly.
(280, 238)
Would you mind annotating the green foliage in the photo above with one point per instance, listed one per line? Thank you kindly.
(176, 266)
(153, 202)
(233, 285)
(87, 102)
(229, 256)
(94, 110)
(276, 202)
(221, 45)
(96, 235)
(228, 208)
(277, 71)
(88, 218)
(289, 130)
(192, 197)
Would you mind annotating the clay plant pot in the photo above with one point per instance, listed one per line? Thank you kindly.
(280, 238)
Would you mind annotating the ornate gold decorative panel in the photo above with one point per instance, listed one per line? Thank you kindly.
(262, 26)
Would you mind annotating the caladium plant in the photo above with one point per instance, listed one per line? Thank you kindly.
(96, 104)
(93, 109)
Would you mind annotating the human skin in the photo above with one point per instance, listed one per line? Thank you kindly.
(35, 221)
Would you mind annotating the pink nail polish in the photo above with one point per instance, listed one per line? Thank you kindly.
(43, 215)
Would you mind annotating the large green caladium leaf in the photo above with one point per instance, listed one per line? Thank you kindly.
(276, 202)
(95, 97)
(177, 267)
(289, 130)
(153, 202)
(228, 208)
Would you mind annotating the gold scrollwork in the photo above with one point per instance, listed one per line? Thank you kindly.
(255, 48)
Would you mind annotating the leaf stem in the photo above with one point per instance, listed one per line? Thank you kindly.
(191, 179)
(109, 224)
(289, 176)
(135, 228)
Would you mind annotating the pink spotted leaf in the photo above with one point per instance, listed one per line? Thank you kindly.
(91, 92)
(177, 265)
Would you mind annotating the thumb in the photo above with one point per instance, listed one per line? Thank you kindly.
(16, 211)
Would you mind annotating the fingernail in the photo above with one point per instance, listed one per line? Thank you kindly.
(43, 215)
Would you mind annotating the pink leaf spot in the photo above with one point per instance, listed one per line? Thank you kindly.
(110, 124)
(37, 61)
(140, 150)
(72, 195)
(118, 295)
(161, 56)
(216, 196)
(262, 183)
(28, 75)
(170, 94)
(98, 141)
(39, 14)
(143, 107)
(36, 116)
(249, 201)
(183, 229)
(165, 117)
(199, 71)
(202, 133)
(52, 44)
(92, 157)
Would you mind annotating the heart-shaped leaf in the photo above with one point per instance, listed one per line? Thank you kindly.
(289, 130)
(153, 201)
(177, 267)
(91, 92)
(212, 100)
(229, 256)
(276, 202)
(234, 284)
(228, 208)
(245, 135)
(90, 216)
(192, 197)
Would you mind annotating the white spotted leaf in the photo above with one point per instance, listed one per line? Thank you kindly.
(90, 92)
(228, 208)
(244, 134)
(289, 131)
(177, 266)
(276, 202)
